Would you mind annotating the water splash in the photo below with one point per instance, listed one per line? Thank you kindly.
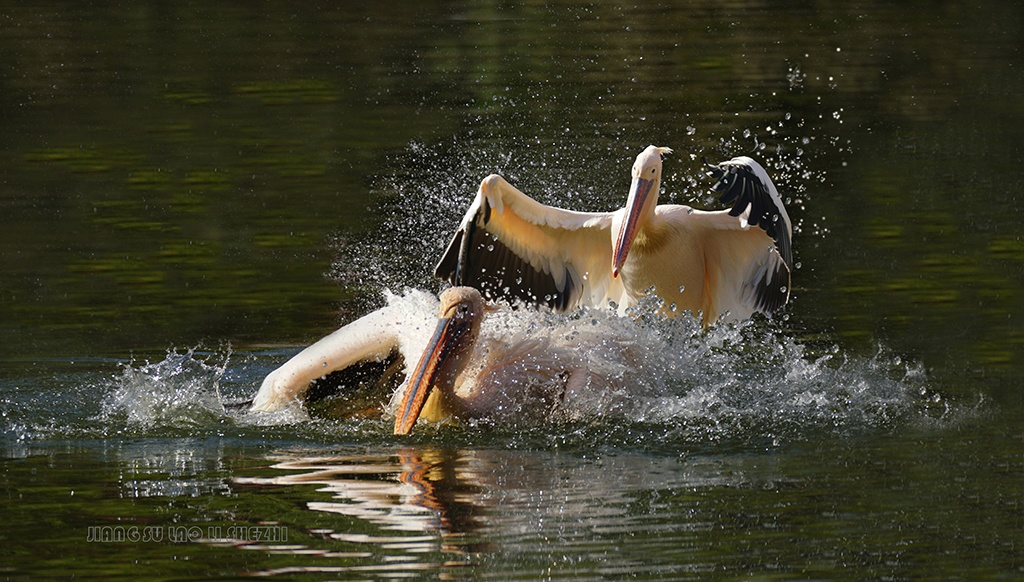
(729, 382)
(657, 379)
(666, 383)
(419, 203)
(181, 392)
(420, 206)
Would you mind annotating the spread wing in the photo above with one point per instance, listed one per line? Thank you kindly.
(376, 337)
(510, 246)
(759, 266)
(745, 185)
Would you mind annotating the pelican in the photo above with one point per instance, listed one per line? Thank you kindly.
(456, 375)
(714, 264)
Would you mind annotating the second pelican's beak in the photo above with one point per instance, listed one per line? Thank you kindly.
(638, 194)
(432, 369)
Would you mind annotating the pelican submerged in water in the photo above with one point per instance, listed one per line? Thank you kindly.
(727, 263)
(457, 373)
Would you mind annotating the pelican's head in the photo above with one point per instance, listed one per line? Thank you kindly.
(643, 197)
(446, 356)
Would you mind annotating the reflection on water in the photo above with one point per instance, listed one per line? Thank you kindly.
(425, 503)
(443, 508)
(162, 468)
(869, 505)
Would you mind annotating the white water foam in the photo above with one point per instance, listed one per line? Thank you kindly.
(727, 382)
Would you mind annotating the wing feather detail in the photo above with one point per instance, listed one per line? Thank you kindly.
(510, 246)
(745, 185)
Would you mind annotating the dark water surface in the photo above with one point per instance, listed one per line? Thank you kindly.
(191, 193)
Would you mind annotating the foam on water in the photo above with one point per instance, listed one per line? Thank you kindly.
(664, 378)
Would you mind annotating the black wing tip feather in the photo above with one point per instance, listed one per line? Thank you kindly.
(740, 187)
(772, 293)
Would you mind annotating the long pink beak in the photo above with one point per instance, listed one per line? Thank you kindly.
(638, 194)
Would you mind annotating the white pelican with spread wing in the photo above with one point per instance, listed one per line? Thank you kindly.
(727, 263)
